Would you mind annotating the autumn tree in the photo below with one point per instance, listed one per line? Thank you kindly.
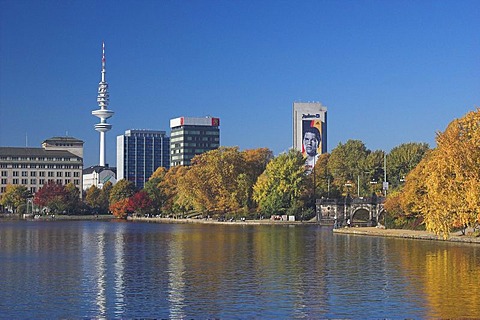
(140, 202)
(256, 161)
(213, 180)
(119, 196)
(445, 187)
(14, 196)
(106, 190)
(175, 187)
(280, 186)
(121, 208)
(154, 189)
(123, 189)
(52, 196)
(97, 199)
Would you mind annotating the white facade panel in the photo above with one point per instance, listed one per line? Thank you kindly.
(120, 158)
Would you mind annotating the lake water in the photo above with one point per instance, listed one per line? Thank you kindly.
(118, 269)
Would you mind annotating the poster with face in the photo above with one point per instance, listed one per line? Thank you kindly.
(310, 130)
(311, 141)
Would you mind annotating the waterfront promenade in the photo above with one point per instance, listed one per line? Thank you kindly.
(409, 234)
(215, 221)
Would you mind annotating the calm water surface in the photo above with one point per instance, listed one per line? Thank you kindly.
(93, 269)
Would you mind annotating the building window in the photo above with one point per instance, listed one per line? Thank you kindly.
(4, 181)
(24, 181)
(41, 174)
(15, 181)
(59, 174)
(24, 173)
(59, 181)
(68, 174)
(76, 181)
(76, 174)
(33, 189)
(4, 173)
(15, 173)
(41, 181)
(33, 174)
(50, 174)
(67, 181)
(33, 181)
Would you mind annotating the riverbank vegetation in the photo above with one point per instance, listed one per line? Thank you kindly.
(436, 189)
(444, 188)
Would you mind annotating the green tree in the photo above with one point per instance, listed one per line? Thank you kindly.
(402, 159)
(279, 188)
(14, 196)
(347, 163)
(153, 187)
(123, 189)
(73, 201)
(256, 161)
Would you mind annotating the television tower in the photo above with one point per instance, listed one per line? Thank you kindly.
(103, 113)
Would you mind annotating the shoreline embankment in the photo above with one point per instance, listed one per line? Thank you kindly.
(359, 231)
(406, 234)
(225, 222)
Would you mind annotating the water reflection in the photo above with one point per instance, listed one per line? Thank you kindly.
(176, 281)
(133, 270)
(119, 267)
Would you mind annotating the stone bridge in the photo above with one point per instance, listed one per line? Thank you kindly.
(360, 211)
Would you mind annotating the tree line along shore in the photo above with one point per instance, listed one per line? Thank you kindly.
(434, 189)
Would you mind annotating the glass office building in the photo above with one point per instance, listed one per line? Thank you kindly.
(192, 136)
(140, 153)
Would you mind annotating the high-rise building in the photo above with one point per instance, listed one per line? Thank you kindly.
(59, 160)
(310, 130)
(140, 153)
(192, 136)
(103, 113)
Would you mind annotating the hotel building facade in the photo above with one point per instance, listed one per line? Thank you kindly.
(192, 136)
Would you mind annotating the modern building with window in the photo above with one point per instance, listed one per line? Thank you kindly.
(192, 136)
(60, 160)
(140, 153)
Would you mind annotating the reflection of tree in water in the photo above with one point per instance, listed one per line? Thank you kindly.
(446, 275)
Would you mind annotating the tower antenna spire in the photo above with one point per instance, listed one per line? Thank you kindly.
(103, 99)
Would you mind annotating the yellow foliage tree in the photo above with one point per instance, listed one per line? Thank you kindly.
(445, 186)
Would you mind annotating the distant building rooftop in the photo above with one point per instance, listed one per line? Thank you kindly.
(33, 152)
(188, 121)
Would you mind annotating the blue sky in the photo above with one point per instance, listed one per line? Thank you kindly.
(389, 72)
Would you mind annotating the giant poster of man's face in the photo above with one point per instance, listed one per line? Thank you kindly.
(311, 142)
(311, 138)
